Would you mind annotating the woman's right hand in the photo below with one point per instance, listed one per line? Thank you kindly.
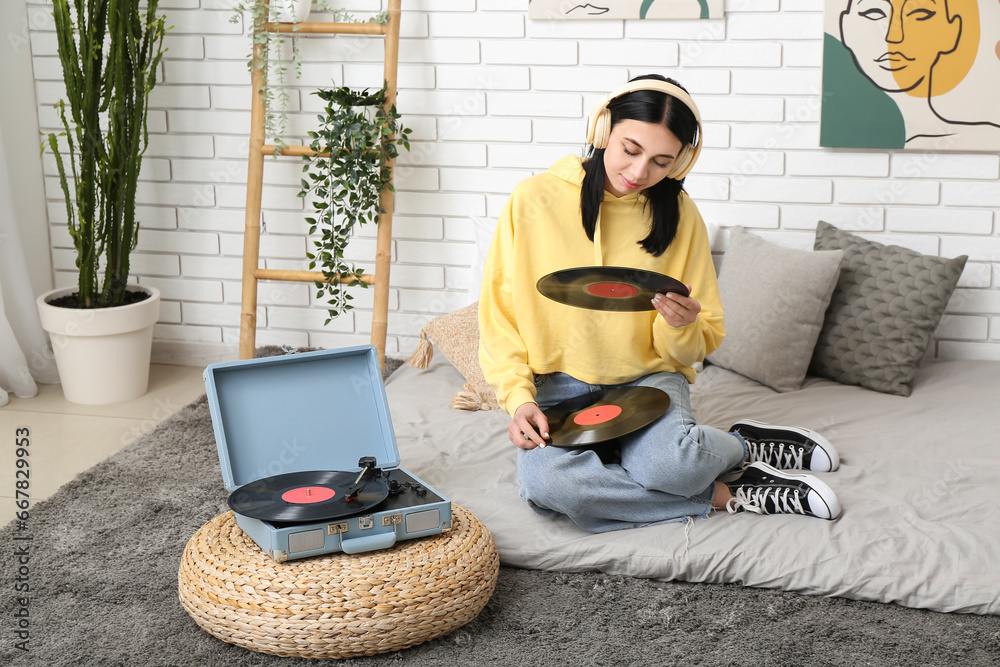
(528, 428)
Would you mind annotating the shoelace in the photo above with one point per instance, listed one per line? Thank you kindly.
(752, 499)
(778, 454)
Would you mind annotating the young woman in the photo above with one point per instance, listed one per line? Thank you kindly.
(625, 206)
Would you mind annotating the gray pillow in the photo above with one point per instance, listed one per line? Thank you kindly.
(884, 310)
(774, 299)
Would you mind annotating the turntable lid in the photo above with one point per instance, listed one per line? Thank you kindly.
(318, 410)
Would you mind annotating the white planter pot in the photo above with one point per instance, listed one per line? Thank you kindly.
(291, 10)
(102, 353)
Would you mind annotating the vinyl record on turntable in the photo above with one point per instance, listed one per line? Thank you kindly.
(604, 415)
(612, 288)
(312, 495)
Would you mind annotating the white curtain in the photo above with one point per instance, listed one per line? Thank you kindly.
(24, 353)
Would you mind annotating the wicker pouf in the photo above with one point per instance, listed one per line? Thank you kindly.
(337, 605)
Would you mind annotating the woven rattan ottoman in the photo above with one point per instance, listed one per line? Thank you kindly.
(337, 605)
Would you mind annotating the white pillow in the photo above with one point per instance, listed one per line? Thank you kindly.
(483, 229)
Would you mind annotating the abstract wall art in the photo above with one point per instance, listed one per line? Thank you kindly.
(911, 74)
(625, 9)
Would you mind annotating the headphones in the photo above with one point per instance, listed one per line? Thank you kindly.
(599, 124)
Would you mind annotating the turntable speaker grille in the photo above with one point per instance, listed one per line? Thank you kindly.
(306, 540)
(420, 521)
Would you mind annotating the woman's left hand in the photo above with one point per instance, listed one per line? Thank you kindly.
(677, 310)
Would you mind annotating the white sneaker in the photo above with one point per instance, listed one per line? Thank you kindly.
(787, 447)
(763, 489)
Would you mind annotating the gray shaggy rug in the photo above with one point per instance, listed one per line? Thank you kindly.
(105, 551)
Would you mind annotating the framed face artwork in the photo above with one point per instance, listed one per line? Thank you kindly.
(911, 74)
(625, 9)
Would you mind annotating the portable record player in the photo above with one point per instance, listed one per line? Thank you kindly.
(309, 455)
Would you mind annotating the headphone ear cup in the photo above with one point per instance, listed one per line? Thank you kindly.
(683, 163)
(602, 129)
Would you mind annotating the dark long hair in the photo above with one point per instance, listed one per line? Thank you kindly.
(661, 200)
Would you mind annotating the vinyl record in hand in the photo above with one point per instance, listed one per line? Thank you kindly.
(608, 287)
(604, 415)
(305, 496)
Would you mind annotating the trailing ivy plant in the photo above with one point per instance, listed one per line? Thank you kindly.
(110, 51)
(356, 139)
(272, 66)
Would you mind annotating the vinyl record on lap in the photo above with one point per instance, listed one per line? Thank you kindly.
(604, 415)
(312, 495)
(610, 288)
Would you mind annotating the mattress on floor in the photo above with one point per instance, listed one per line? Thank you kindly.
(918, 480)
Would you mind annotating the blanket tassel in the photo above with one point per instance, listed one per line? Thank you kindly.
(467, 399)
(421, 357)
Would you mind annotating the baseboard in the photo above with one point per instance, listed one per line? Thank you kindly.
(195, 353)
(191, 353)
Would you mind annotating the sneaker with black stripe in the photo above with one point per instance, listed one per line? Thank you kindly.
(763, 489)
(787, 447)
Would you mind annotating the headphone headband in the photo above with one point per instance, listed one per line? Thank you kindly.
(599, 123)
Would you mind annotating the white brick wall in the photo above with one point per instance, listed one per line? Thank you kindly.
(493, 97)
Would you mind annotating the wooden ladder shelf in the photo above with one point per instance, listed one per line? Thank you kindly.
(252, 273)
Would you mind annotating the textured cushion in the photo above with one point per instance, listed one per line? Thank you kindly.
(883, 312)
(457, 337)
(774, 299)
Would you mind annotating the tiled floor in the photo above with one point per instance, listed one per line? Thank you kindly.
(67, 438)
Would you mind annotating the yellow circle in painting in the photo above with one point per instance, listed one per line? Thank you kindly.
(939, 25)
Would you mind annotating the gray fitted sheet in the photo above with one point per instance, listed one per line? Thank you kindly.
(918, 485)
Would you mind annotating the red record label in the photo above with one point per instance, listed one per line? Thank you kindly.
(612, 290)
(305, 495)
(599, 414)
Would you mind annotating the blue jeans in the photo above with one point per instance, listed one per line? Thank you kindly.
(667, 470)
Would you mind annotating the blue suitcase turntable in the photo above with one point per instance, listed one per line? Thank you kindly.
(309, 456)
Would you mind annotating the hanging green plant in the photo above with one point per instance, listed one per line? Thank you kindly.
(270, 64)
(274, 69)
(355, 143)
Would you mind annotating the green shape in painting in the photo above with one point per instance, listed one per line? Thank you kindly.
(856, 113)
(703, 4)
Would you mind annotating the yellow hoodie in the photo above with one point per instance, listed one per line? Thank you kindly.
(523, 334)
